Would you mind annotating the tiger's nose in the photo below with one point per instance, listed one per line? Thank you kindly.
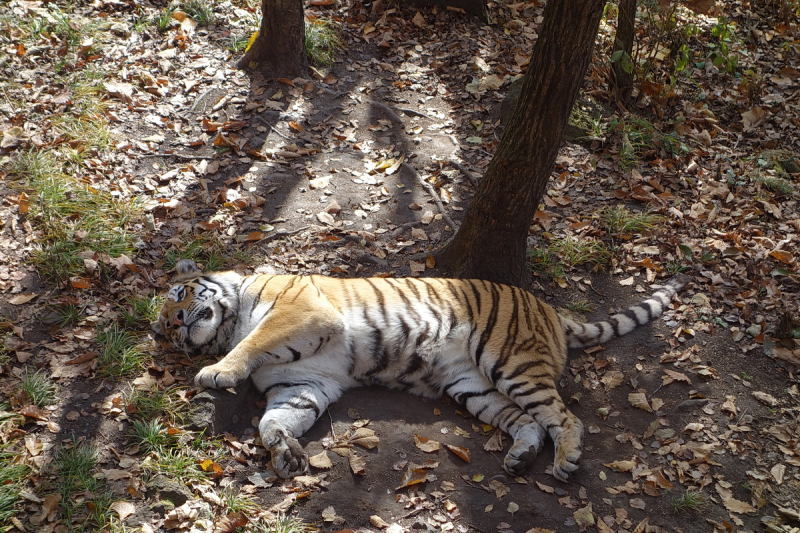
(175, 321)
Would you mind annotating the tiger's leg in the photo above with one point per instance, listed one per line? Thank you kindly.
(537, 395)
(489, 406)
(295, 399)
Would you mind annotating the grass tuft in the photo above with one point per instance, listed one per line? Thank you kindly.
(152, 435)
(121, 352)
(575, 252)
(39, 387)
(12, 477)
(689, 501)
(544, 263)
(200, 10)
(141, 310)
(322, 41)
(619, 220)
(285, 524)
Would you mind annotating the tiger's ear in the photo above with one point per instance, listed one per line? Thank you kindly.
(186, 266)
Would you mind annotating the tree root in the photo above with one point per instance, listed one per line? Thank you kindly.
(429, 188)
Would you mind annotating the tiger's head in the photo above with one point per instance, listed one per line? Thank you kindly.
(200, 311)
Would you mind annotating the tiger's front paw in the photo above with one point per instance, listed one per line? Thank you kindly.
(217, 376)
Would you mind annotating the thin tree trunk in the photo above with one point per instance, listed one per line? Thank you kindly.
(279, 50)
(623, 41)
(492, 240)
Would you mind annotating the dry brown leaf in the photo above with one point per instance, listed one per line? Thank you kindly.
(612, 378)
(639, 400)
(460, 451)
(546, 488)
(671, 375)
(123, 509)
(378, 522)
(358, 464)
(321, 461)
(621, 466)
(413, 476)
(499, 488)
(732, 504)
(365, 437)
(50, 502)
(584, 518)
(765, 398)
(230, 523)
(425, 444)
(495, 443)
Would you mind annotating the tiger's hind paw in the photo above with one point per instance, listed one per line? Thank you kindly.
(568, 450)
(288, 458)
(528, 443)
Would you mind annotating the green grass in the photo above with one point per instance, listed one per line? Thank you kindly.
(200, 10)
(85, 500)
(322, 41)
(574, 252)
(689, 501)
(235, 502)
(205, 248)
(13, 476)
(63, 315)
(544, 263)
(121, 352)
(164, 19)
(638, 136)
(285, 524)
(176, 463)
(580, 306)
(619, 220)
(152, 435)
(154, 403)
(141, 311)
(39, 387)
(675, 267)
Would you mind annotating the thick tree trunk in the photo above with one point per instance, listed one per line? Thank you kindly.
(623, 42)
(279, 50)
(491, 242)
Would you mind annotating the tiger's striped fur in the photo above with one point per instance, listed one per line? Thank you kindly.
(305, 339)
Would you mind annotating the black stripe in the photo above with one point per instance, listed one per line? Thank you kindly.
(295, 354)
(550, 400)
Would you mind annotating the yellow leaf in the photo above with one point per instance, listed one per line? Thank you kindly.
(425, 444)
(250, 41)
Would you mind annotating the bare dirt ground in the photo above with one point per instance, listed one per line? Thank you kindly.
(305, 176)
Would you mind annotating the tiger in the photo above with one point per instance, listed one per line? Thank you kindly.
(496, 349)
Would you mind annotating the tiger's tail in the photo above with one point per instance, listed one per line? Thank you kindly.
(582, 335)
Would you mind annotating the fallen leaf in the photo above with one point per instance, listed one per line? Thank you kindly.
(584, 518)
(495, 443)
(50, 502)
(123, 509)
(612, 379)
(413, 476)
(460, 451)
(621, 466)
(671, 375)
(321, 461)
(639, 400)
(358, 464)
(425, 444)
(378, 522)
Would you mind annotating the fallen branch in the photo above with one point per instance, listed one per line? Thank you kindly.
(428, 187)
(283, 233)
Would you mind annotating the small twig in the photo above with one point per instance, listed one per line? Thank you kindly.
(428, 187)
(328, 409)
(470, 176)
(739, 422)
(283, 233)
(270, 126)
(650, 396)
(193, 108)
(388, 110)
(415, 512)
(180, 156)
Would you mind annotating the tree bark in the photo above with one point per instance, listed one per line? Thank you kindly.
(279, 50)
(491, 243)
(623, 41)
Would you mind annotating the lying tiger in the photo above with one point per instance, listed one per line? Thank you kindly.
(496, 349)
